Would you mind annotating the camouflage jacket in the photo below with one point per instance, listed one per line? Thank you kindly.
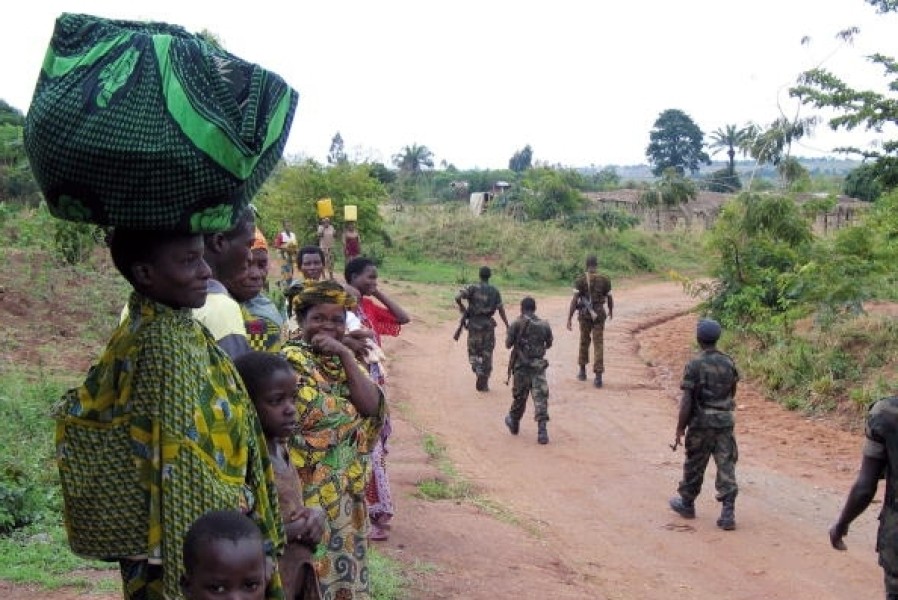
(532, 342)
(483, 300)
(711, 379)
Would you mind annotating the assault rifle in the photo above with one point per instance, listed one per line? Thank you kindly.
(462, 323)
(585, 305)
(515, 352)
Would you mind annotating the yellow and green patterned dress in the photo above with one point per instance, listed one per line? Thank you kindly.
(161, 431)
(330, 452)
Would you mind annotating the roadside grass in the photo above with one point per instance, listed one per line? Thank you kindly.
(33, 547)
(38, 554)
(445, 243)
(843, 366)
(388, 579)
(452, 486)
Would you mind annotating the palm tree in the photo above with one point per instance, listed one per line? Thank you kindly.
(729, 138)
(771, 144)
(413, 159)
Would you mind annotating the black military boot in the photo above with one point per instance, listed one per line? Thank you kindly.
(542, 436)
(598, 380)
(581, 374)
(727, 520)
(481, 383)
(684, 508)
(513, 425)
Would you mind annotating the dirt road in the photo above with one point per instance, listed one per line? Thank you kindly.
(592, 505)
(586, 516)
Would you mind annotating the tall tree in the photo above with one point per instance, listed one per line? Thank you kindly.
(337, 153)
(521, 160)
(773, 143)
(729, 138)
(861, 183)
(871, 109)
(676, 142)
(412, 160)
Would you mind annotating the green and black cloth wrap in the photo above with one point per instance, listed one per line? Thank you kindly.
(144, 125)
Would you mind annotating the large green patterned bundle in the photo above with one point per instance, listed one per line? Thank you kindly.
(147, 126)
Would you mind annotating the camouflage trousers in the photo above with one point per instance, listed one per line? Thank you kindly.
(530, 381)
(701, 444)
(481, 343)
(592, 331)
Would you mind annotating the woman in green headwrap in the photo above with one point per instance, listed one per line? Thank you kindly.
(341, 412)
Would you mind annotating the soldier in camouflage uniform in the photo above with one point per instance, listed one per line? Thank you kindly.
(707, 408)
(879, 453)
(484, 300)
(530, 337)
(592, 291)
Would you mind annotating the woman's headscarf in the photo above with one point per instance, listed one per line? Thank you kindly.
(328, 291)
(259, 242)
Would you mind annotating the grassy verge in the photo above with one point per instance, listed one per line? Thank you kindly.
(447, 244)
(452, 486)
(32, 540)
(847, 366)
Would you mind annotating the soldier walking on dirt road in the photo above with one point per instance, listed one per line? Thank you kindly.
(707, 408)
(484, 300)
(529, 337)
(592, 291)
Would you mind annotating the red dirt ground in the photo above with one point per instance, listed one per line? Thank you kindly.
(586, 516)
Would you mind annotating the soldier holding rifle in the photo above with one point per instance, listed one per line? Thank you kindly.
(484, 300)
(529, 337)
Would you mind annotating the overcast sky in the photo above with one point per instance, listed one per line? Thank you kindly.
(581, 81)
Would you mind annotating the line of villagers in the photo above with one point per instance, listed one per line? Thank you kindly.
(206, 453)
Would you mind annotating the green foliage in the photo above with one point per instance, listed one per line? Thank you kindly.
(871, 109)
(795, 176)
(549, 193)
(387, 579)
(773, 143)
(671, 190)
(760, 242)
(861, 183)
(380, 172)
(28, 482)
(795, 303)
(292, 192)
(723, 181)
(37, 554)
(676, 142)
(432, 243)
(75, 242)
(413, 160)
(27, 227)
(606, 179)
(521, 160)
(731, 138)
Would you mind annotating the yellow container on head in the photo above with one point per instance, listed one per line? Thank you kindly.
(350, 212)
(325, 208)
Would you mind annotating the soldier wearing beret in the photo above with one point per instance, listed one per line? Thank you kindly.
(706, 417)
